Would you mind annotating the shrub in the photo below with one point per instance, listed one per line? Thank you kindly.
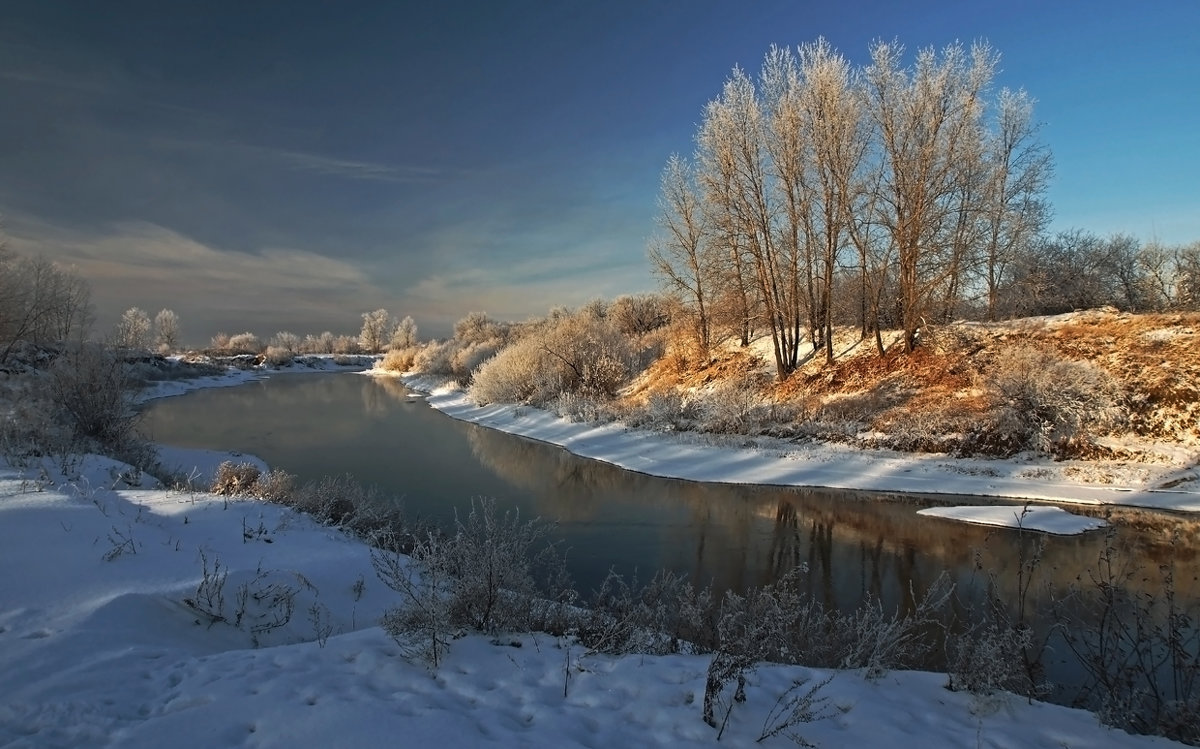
(286, 341)
(568, 353)
(477, 328)
(436, 357)
(466, 360)
(244, 343)
(512, 376)
(1047, 401)
(278, 357)
(399, 359)
(639, 314)
(346, 344)
(482, 577)
(93, 394)
(235, 479)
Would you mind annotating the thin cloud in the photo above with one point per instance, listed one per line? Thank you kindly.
(143, 264)
(313, 163)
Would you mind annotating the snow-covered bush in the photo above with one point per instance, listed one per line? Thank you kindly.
(399, 359)
(477, 328)
(235, 479)
(244, 343)
(467, 359)
(278, 357)
(665, 410)
(512, 376)
(576, 353)
(481, 576)
(987, 658)
(1046, 401)
(436, 357)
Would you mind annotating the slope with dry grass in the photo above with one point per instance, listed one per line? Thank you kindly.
(1093, 384)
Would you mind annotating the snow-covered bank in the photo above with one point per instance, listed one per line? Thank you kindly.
(777, 462)
(233, 375)
(98, 648)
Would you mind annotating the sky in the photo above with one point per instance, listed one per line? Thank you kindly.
(289, 166)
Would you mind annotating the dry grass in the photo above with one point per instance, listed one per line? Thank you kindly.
(944, 395)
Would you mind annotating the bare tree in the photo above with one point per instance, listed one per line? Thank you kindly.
(1015, 212)
(166, 330)
(735, 174)
(928, 120)
(133, 330)
(285, 341)
(376, 331)
(831, 114)
(39, 301)
(1187, 277)
(684, 256)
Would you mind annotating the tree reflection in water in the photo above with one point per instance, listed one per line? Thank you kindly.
(855, 544)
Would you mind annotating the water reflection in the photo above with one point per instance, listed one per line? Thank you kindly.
(853, 544)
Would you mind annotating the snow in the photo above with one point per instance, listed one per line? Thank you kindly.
(1045, 519)
(98, 649)
(777, 462)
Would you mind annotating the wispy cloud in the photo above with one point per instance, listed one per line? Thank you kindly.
(313, 163)
(142, 264)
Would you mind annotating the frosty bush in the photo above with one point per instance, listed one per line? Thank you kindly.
(512, 376)
(399, 359)
(436, 357)
(467, 359)
(666, 410)
(986, 659)
(478, 328)
(278, 357)
(244, 343)
(235, 479)
(93, 395)
(567, 353)
(1047, 401)
(481, 577)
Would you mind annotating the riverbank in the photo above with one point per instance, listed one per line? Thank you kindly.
(123, 624)
(698, 457)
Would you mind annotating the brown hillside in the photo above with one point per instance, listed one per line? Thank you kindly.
(1097, 383)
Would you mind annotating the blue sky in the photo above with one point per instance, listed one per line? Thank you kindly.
(270, 166)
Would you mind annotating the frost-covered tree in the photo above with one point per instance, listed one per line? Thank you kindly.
(1014, 212)
(928, 120)
(133, 331)
(245, 343)
(684, 255)
(376, 331)
(405, 334)
(285, 341)
(166, 330)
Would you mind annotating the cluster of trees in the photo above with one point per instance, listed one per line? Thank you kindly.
(40, 302)
(1079, 270)
(891, 195)
(379, 333)
(136, 332)
(910, 187)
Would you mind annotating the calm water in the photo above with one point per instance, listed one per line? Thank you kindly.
(854, 543)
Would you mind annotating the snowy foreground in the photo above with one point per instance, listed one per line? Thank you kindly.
(99, 649)
(99, 646)
(699, 458)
